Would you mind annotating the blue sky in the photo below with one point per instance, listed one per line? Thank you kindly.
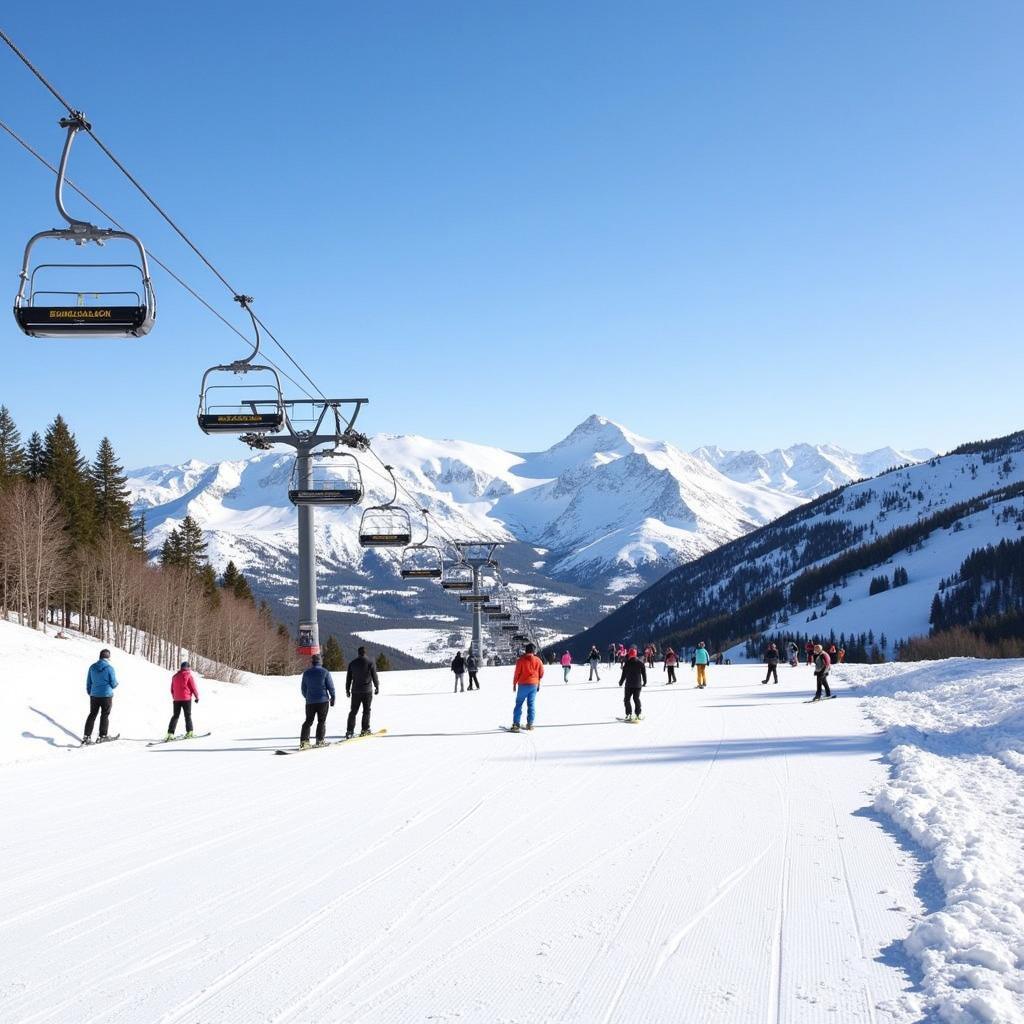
(741, 224)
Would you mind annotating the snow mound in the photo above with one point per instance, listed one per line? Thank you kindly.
(957, 788)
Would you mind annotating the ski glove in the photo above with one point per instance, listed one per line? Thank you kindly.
(332, 702)
(348, 693)
(376, 690)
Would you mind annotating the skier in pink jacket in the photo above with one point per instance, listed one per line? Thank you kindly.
(183, 689)
(566, 665)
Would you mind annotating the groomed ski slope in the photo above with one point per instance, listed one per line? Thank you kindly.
(720, 861)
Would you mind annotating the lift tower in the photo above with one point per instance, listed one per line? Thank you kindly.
(478, 555)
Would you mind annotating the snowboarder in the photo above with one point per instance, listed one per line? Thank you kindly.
(822, 666)
(671, 661)
(361, 683)
(100, 684)
(634, 675)
(318, 689)
(566, 666)
(701, 659)
(594, 659)
(472, 667)
(526, 682)
(459, 668)
(794, 654)
(771, 656)
(183, 689)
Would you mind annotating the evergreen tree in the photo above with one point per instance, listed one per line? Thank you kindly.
(230, 577)
(170, 552)
(138, 531)
(35, 457)
(113, 504)
(12, 455)
(383, 665)
(192, 546)
(68, 472)
(334, 659)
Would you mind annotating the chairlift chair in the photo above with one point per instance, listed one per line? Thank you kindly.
(492, 609)
(46, 311)
(387, 525)
(457, 577)
(422, 561)
(253, 407)
(501, 617)
(474, 598)
(334, 479)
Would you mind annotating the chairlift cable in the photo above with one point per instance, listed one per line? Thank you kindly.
(156, 206)
(156, 259)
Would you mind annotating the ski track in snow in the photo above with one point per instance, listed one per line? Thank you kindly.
(711, 864)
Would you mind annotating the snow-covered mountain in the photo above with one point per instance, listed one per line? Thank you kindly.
(587, 523)
(807, 470)
(870, 558)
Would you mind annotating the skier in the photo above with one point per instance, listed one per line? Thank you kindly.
(100, 684)
(794, 654)
(842, 655)
(459, 668)
(566, 666)
(183, 689)
(318, 689)
(809, 651)
(526, 682)
(671, 661)
(822, 666)
(612, 648)
(472, 667)
(594, 658)
(361, 683)
(621, 654)
(833, 654)
(771, 656)
(634, 675)
(701, 659)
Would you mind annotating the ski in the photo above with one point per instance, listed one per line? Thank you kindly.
(96, 743)
(334, 743)
(508, 728)
(178, 739)
(631, 721)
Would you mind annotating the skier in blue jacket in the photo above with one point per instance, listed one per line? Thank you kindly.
(100, 684)
(318, 689)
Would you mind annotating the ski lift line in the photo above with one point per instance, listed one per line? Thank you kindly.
(77, 115)
(155, 259)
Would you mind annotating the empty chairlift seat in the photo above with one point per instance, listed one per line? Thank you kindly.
(458, 577)
(422, 562)
(334, 479)
(241, 398)
(385, 526)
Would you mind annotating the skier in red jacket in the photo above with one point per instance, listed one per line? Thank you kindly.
(183, 689)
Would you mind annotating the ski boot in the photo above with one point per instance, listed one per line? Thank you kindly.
(190, 735)
(529, 726)
(349, 735)
(86, 741)
(169, 737)
(515, 728)
(366, 732)
(303, 744)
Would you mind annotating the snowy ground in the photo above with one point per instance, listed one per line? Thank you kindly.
(724, 860)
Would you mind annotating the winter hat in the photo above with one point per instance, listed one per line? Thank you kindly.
(632, 652)
(185, 664)
(530, 648)
(104, 653)
(315, 660)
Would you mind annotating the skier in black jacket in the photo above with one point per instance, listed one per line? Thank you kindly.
(822, 666)
(771, 656)
(361, 684)
(459, 668)
(634, 676)
(472, 667)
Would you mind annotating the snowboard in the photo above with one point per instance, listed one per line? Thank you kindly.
(635, 721)
(335, 743)
(96, 743)
(177, 739)
(818, 700)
